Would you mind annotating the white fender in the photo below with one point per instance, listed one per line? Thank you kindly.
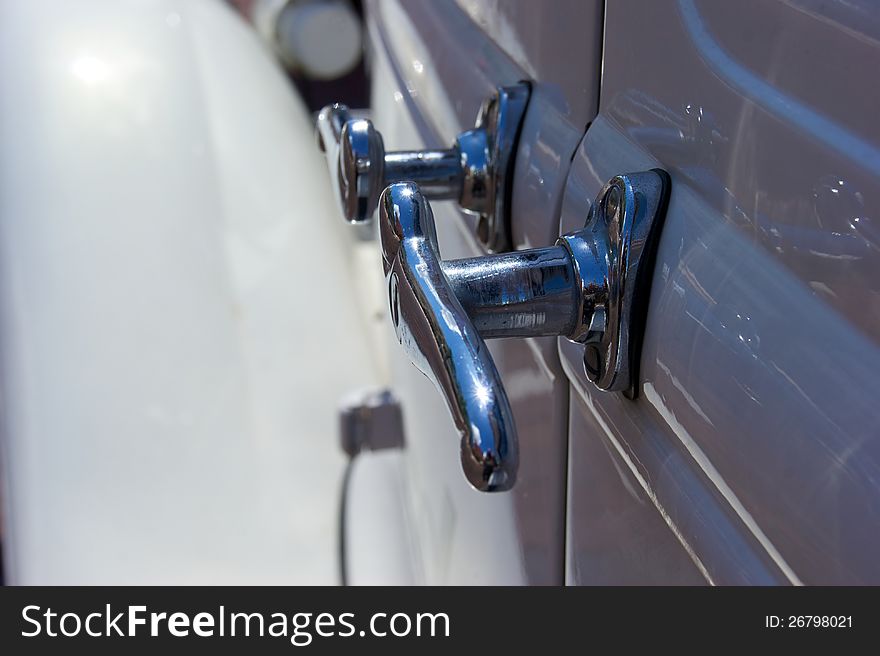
(176, 320)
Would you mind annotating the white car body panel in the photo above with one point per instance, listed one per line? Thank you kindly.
(167, 375)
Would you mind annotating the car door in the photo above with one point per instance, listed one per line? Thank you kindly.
(753, 442)
(433, 64)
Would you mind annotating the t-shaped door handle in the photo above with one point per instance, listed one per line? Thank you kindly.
(475, 171)
(591, 287)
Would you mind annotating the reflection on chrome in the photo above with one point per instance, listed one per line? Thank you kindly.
(587, 287)
(474, 171)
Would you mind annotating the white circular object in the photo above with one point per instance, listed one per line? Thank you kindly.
(322, 38)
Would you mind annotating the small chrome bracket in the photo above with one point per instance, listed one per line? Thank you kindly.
(500, 119)
(613, 257)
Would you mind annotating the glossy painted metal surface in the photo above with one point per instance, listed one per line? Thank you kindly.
(476, 171)
(441, 340)
(429, 81)
(615, 535)
(754, 435)
(162, 373)
(449, 58)
(377, 538)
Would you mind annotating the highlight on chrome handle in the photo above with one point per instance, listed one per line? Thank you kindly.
(442, 342)
(591, 287)
(474, 171)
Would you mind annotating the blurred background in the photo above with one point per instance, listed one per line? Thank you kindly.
(177, 317)
(320, 44)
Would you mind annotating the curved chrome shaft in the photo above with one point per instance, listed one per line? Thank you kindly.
(591, 287)
(441, 340)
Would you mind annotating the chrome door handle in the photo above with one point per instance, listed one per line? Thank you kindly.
(441, 340)
(591, 287)
(474, 171)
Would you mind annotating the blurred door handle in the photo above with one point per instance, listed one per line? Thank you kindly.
(591, 287)
(474, 171)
